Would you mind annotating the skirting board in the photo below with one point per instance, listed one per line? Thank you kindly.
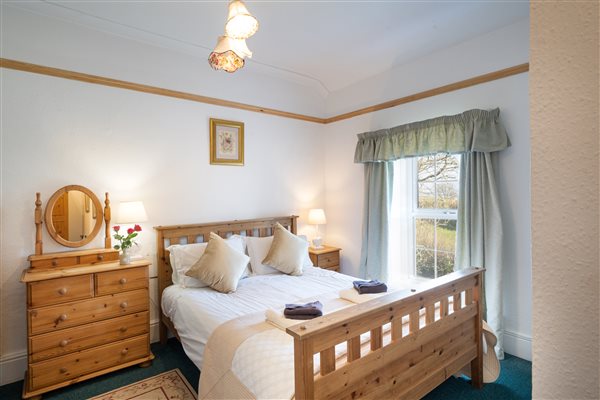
(517, 345)
(13, 366)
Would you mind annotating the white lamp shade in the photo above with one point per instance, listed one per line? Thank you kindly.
(316, 216)
(240, 23)
(131, 212)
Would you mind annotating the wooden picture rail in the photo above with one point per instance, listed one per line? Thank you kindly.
(100, 80)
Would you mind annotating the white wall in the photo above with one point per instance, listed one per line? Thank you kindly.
(565, 200)
(135, 146)
(344, 179)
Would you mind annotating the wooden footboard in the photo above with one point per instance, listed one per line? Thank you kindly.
(411, 363)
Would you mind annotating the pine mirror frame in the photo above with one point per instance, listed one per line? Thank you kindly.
(48, 216)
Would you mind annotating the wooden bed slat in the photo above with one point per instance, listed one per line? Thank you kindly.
(376, 338)
(327, 361)
(353, 349)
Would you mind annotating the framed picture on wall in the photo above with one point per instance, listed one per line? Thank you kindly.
(226, 142)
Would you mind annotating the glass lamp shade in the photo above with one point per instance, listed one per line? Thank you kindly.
(240, 23)
(131, 212)
(229, 54)
(316, 216)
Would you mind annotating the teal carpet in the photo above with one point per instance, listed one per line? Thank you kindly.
(514, 381)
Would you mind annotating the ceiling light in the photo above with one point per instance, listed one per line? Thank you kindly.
(240, 23)
(229, 54)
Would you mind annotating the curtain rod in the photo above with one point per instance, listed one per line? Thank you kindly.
(100, 80)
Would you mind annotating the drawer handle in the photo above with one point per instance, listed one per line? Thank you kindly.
(124, 304)
(123, 329)
(62, 317)
(124, 352)
(123, 281)
(64, 342)
(54, 263)
(100, 257)
(63, 370)
(62, 291)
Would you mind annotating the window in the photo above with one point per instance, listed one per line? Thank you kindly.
(434, 212)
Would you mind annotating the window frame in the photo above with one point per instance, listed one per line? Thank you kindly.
(434, 214)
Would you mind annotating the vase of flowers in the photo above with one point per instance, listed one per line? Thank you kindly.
(125, 242)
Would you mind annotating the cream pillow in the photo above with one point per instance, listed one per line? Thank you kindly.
(221, 266)
(183, 256)
(287, 252)
(258, 248)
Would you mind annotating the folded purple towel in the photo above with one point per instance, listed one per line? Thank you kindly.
(303, 311)
(373, 286)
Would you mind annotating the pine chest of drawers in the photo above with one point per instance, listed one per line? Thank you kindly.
(84, 321)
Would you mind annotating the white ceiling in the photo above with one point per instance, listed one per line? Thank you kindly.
(331, 43)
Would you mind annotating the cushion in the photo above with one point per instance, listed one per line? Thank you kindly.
(184, 256)
(221, 266)
(287, 252)
(258, 248)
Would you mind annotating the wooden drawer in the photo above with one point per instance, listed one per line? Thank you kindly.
(121, 280)
(61, 290)
(99, 258)
(68, 340)
(58, 262)
(48, 319)
(83, 362)
(328, 260)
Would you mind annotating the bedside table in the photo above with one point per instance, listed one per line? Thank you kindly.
(328, 257)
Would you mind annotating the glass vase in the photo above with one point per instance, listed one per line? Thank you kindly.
(125, 257)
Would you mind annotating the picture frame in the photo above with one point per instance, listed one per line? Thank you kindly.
(226, 142)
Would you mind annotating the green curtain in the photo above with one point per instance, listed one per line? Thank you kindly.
(479, 232)
(477, 135)
(473, 130)
(377, 202)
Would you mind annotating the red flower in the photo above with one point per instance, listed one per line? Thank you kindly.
(116, 228)
(130, 231)
(137, 228)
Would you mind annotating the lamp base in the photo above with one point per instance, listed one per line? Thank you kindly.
(317, 243)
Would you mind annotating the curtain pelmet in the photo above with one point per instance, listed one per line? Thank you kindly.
(471, 131)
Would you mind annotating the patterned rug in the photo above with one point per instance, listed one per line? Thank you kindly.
(170, 385)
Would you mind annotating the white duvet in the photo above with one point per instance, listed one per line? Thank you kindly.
(197, 312)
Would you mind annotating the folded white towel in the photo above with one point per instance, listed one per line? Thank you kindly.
(353, 296)
(277, 318)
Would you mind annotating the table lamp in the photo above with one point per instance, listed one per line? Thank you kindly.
(316, 216)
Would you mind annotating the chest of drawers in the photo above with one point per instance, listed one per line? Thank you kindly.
(84, 321)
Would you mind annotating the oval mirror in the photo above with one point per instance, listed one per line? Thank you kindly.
(73, 216)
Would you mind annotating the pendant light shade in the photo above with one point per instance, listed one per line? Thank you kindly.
(240, 23)
(229, 54)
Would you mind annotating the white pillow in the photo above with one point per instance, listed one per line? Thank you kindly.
(221, 266)
(183, 256)
(258, 248)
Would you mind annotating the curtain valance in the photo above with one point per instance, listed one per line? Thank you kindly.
(472, 131)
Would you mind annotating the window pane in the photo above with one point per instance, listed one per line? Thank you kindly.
(445, 263)
(446, 240)
(447, 195)
(447, 167)
(426, 195)
(426, 168)
(425, 263)
(446, 234)
(424, 233)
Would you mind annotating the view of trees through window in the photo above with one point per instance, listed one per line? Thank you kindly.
(435, 210)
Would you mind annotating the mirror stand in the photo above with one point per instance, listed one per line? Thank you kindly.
(39, 244)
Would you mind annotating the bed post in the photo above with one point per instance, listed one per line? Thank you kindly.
(477, 363)
(161, 271)
(303, 369)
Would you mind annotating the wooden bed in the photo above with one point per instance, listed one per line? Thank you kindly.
(406, 365)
